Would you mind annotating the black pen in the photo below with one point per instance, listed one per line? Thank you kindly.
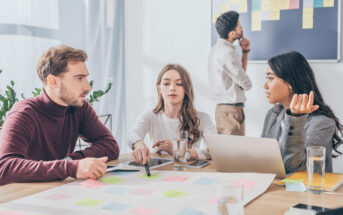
(147, 169)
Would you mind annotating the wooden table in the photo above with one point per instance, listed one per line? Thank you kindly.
(276, 200)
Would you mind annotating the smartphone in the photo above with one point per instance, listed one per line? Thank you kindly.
(198, 164)
(317, 209)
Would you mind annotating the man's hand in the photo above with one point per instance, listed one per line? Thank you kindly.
(92, 168)
(141, 153)
(244, 44)
(164, 145)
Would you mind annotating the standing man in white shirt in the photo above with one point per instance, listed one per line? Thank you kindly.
(227, 75)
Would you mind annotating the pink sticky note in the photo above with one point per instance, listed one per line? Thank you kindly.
(90, 183)
(144, 211)
(58, 196)
(11, 213)
(247, 183)
(294, 4)
(212, 200)
(141, 191)
(175, 178)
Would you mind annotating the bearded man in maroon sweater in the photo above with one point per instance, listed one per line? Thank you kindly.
(39, 134)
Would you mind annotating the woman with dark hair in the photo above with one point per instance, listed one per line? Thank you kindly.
(300, 117)
(174, 112)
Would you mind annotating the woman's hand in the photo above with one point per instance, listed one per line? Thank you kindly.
(164, 145)
(141, 153)
(303, 104)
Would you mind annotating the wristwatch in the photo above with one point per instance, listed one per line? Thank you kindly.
(188, 155)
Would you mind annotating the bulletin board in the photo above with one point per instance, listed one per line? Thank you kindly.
(311, 27)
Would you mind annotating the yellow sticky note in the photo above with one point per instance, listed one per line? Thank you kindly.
(265, 5)
(256, 22)
(284, 4)
(225, 8)
(275, 10)
(329, 3)
(215, 17)
(307, 18)
(243, 6)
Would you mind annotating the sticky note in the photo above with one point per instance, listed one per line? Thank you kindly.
(113, 206)
(329, 3)
(265, 15)
(307, 18)
(215, 17)
(256, 22)
(318, 3)
(243, 6)
(294, 4)
(174, 193)
(308, 4)
(292, 180)
(284, 4)
(255, 5)
(112, 180)
(90, 183)
(11, 212)
(152, 176)
(89, 202)
(212, 200)
(205, 181)
(247, 184)
(275, 10)
(265, 5)
(225, 8)
(122, 173)
(118, 190)
(174, 178)
(58, 196)
(295, 187)
(141, 191)
(234, 6)
(144, 211)
(189, 211)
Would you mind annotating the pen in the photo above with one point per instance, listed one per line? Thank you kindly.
(147, 169)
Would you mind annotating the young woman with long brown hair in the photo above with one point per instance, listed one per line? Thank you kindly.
(174, 112)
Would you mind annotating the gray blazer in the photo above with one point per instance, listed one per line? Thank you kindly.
(299, 132)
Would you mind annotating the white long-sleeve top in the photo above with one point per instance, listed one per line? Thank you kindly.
(160, 127)
(227, 79)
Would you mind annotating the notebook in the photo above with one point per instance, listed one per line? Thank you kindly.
(332, 180)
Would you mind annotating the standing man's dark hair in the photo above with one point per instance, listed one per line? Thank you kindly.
(227, 74)
(226, 22)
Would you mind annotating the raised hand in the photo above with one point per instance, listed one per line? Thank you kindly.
(303, 104)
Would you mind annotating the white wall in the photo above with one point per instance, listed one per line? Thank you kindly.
(162, 31)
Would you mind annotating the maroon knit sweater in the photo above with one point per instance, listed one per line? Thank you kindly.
(38, 134)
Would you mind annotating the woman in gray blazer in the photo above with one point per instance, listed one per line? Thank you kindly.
(300, 117)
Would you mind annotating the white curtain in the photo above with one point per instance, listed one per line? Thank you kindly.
(29, 27)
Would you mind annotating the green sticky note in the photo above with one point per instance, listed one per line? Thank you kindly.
(292, 180)
(174, 194)
(112, 180)
(89, 202)
(152, 176)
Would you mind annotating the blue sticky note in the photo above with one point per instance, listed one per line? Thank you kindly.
(256, 5)
(295, 187)
(118, 190)
(122, 173)
(318, 3)
(205, 181)
(115, 206)
(189, 211)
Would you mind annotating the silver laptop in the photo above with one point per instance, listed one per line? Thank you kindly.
(245, 154)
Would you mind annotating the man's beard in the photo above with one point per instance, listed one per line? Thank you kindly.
(69, 100)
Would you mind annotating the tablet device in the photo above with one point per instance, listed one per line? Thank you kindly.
(198, 164)
(155, 162)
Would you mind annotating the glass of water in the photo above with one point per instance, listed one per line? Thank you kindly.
(230, 198)
(315, 168)
(180, 151)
